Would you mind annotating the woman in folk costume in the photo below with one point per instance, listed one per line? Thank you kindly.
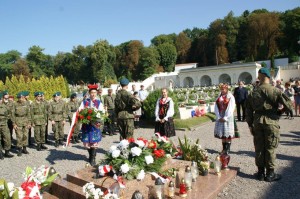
(164, 112)
(224, 108)
(91, 133)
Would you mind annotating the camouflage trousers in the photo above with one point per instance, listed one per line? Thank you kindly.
(58, 129)
(76, 129)
(39, 134)
(22, 136)
(126, 127)
(5, 135)
(266, 140)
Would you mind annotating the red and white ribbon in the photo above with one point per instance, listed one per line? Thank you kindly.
(161, 138)
(72, 127)
(104, 169)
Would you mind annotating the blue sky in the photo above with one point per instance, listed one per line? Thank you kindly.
(59, 25)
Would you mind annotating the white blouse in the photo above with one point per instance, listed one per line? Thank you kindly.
(230, 108)
(170, 112)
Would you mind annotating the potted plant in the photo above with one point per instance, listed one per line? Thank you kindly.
(204, 166)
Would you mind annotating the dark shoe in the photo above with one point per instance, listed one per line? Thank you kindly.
(25, 150)
(73, 141)
(7, 154)
(56, 144)
(19, 152)
(271, 176)
(43, 147)
(110, 134)
(103, 135)
(77, 140)
(261, 174)
(38, 147)
(61, 142)
(1, 155)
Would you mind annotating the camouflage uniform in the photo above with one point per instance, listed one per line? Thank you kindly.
(4, 131)
(21, 120)
(57, 113)
(72, 108)
(262, 116)
(39, 119)
(125, 104)
(109, 103)
(46, 104)
(9, 105)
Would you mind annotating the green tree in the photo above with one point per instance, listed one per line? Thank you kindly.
(6, 63)
(162, 39)
(168, 56)
(20, 67)
(148, 62)
(183, 44)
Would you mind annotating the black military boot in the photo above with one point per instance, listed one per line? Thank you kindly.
(228, 144)
(7, 154)
(25, 150)
(90, 155)
(43, 147)
(272, 176)
(77, 139)
(1, 155)
(261, 174)
(56, 144)
(38, 147)
(73, 140)
(61, 142)
(93, 157)
(19, 151)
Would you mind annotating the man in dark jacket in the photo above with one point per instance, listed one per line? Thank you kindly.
(240, 95)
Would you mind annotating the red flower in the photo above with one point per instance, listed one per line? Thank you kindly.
(130, 140)
(152, 144)
(89, 117)
(144, 140)
(81, 117)
(90, 111)
(159, 153)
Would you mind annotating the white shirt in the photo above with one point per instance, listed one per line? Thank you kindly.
(230, 108)
(143, 94)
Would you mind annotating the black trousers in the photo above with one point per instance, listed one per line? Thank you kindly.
(238, 109)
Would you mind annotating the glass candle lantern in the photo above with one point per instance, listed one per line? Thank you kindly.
(182, 189)
(217, 165)
(188, 177)
(171, 189)
(195, 171)
(159, 188)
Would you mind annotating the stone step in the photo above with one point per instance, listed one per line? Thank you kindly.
(47, 195)
(66, 190)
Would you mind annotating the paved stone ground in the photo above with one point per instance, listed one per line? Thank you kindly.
(242, 156)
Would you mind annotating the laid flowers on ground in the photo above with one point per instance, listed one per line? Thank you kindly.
(133, 158)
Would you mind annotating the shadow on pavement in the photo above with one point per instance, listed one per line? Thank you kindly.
(56, 155)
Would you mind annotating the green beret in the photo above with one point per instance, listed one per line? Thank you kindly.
(124, 81)
(56, 94)
(37, 93)
(42, 93)
(20, 94)
(73, 95)
(5, 92)
(25, 93)
(265, 71)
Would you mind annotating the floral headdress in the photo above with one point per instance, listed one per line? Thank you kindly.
(223, 86)
(92, 86)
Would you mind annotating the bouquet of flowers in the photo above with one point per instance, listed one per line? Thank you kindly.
(133, 158)
(35, 181)
(90, 115)
(96, 193)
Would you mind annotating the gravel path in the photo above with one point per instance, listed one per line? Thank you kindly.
(242, 156)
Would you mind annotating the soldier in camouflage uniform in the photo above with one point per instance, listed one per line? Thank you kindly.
(39, 120)
(262, 118)
(57, 114)
(4, 132)
(125, 104)
(109, 106)
(72, 108)
(22, 122)
(28, 102)
(46, 104)
(9, 105)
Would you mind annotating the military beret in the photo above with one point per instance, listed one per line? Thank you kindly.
(265, 71)
(56, 94)
(124, 81)
(42, 93)
(25, 93)
(5, 92)
(73, 95)
(37, 93)
(20, 94)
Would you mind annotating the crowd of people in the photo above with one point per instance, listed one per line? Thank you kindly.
(259, 108)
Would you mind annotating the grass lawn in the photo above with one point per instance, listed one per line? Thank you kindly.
(193, 122)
